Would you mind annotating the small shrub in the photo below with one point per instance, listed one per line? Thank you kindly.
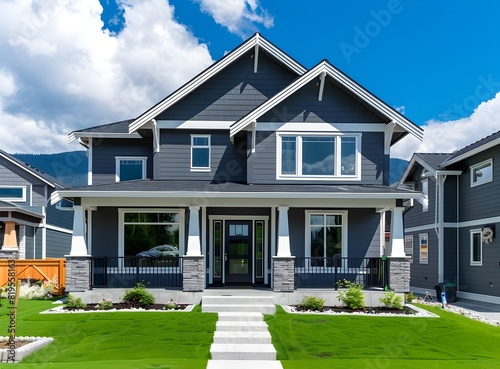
(138, 296)
(73, 302)
(392, 301)
(170, 305)
(105, 304)
(344, 283)
(410, 297)
(353, 298)
(312, 303)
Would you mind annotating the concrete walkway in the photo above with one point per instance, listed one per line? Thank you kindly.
(483, 309)
(241, 339)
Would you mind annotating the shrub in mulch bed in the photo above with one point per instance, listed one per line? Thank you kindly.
(124, 306)
(366, 310)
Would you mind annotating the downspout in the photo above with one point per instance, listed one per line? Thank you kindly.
(457, 282)
(440, 179)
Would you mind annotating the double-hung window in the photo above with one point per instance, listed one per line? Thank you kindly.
(130, 168)
(481, 173)
(318, 156)
(200, 152)
(476, 247)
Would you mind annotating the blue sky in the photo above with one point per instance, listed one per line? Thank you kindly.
(70, 65)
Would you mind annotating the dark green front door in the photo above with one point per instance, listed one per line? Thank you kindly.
(238, 251)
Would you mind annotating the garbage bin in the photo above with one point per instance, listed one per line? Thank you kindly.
(449, 288)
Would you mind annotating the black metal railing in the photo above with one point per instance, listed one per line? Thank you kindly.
(126, 272)
(314, 272)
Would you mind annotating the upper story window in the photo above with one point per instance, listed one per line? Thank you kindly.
(481, 173)
(476, 247)
(13, 193)
(130, 168)
(425, 194)
(200, 152)
(319, 156)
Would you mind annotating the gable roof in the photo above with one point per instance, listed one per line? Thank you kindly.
(110, 130)
(257, 41)
(474, 148)
(339, 77)
(44, 177)
(431, 162)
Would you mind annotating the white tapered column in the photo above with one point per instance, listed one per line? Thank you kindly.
(194, 244)
(397, 244)
(283, 232)
(78, 244)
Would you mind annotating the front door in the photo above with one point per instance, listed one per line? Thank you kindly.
(238, 251)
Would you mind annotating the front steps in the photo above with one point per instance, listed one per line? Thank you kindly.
(241, 339)
(218, 304)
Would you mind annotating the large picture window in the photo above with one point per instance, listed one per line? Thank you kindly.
(13, 193)
(152, 233)
(318, 156)
(326, 236)
(476, 247)
(130, 168)
(481, 173)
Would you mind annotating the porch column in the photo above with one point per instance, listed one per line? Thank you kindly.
(78, 244)
(399, 264)
(10, 236)
(283, 262)
(194, 245)
(193, 263)
(397, 244)
(283, 233)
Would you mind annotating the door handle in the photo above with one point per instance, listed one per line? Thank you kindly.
(225, 257)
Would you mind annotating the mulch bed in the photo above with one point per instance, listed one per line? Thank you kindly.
(368, 310)
(5, 344)
(122, 306)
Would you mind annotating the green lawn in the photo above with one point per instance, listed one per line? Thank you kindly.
(379, 342)
(108, 340)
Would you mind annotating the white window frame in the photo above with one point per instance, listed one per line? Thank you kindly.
(425, 194)
(118, 159)
(478, 231)
(409, 248)
(121, 226)
(482, 164)
(343, 214)
(420, 237)
(64, 208)
(15, 199)
(209, 146)
(338, 154)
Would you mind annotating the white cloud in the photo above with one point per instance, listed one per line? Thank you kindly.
(443, 137)
(60, 71)
(240, 17)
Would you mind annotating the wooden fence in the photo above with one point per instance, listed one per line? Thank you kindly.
(44, 269)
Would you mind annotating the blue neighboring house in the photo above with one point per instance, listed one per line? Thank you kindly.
(30, 227)
(257, 172)
(451, 231)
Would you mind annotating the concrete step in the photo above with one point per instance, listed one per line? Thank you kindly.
(219, 308)
(242, 337)
(238, 300)
(241, 327)
(229, 316)
(242, 352)
(247, 364)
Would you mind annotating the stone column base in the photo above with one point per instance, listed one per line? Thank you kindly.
(78, 278)
(193, 273)
(9, 253)
(283, 273)
(399, 274)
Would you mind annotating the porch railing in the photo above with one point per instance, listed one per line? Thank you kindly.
(126, 272)
(314, 272)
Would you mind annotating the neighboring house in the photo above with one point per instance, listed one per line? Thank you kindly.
(30, 227)
(451, 231)
(258, 172)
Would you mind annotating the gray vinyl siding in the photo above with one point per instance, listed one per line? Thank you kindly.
(450, 255)
(337, 106)
(481, 201)
(425, 275)
(297, 231)
(29, 243)
(450, 199)
(105, 152)
(10, 177)
(59, 218)
(227, 160)
(105, 232)
(38, 195)
(415, 216)
(38, 243)
(233, 92)
(373, 161)
(58, 244)
(477, 279)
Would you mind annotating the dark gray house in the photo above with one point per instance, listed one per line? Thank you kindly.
(30, 227)
(256, 172)
(450, 232)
